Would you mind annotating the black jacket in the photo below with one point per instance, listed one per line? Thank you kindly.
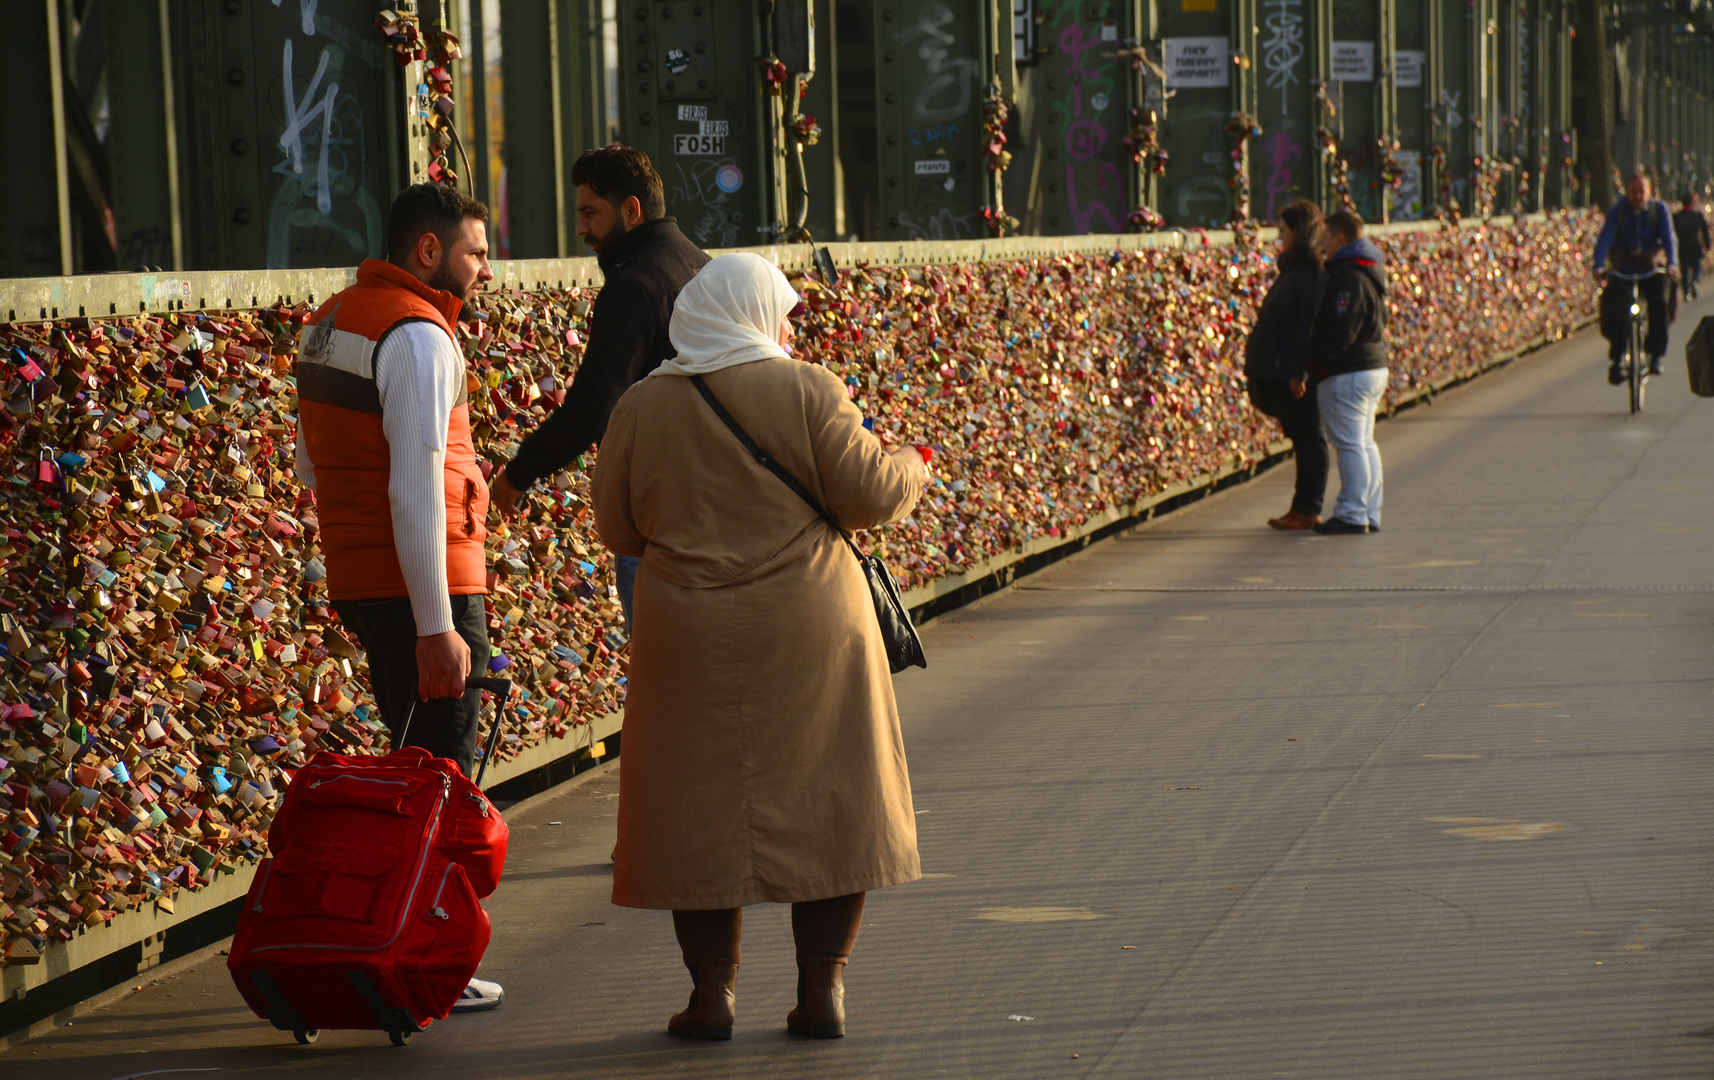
(1276, 343)
(1692, 229)
(644, 271)
(1351, 321)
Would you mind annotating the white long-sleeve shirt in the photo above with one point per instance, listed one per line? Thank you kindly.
(417, 372)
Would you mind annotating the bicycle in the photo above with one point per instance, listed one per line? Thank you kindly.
(1636, 357)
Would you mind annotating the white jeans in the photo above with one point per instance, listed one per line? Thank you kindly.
(1348, 403)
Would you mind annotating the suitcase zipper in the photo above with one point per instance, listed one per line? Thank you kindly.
(410, 897)
(436, 911)
(360, 779)
(263, 891)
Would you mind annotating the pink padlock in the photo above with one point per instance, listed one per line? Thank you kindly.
(47, 470)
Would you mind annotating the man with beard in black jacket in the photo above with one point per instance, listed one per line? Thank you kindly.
(645, 261)
(1347, 357)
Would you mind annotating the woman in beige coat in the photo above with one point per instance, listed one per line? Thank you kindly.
(762, 759)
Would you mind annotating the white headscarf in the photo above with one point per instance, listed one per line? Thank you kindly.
(729, 314)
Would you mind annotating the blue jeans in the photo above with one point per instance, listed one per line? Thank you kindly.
(625, 573)
(1348, 403)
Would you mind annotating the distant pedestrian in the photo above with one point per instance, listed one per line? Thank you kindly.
(645, 261)
(1347, 357)
(763, 761)
(1274, 355)
(1691, 226)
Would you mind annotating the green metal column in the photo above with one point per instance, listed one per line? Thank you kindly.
(694, 99)
(1246, 102)
(30, 230)
(1321, 76)
(534, 151)
(1357, 26)
(270, 185)
(1197, 46)
(1284, 162)
(142, 137)
(1082, 99)
(930, 82)
(1411, 114)
(1592, 104)
(1483, 114)
(821, 161)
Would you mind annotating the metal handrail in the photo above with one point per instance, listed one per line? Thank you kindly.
(112, 295)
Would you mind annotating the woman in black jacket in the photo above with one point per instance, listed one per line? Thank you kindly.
(1273, 358)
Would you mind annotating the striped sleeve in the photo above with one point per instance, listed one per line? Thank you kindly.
(416, 372)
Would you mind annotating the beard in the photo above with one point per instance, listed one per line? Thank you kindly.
(613, 236)
(446, 281)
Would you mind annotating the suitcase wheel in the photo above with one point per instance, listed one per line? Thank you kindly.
(400, 1038)
(305, 1036)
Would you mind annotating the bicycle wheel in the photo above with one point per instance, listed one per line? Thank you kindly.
(1635, 369)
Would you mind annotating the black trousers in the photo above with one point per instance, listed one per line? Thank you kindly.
(1301, 419)
(1616, 314)
(387, 630)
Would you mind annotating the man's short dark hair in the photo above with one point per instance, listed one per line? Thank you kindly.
(617, 172)
(427, 208)
(1347, 223)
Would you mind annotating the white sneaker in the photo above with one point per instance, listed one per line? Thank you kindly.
(479, 995)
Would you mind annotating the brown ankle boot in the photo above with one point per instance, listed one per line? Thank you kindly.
(820, 1011)
(713, 1004)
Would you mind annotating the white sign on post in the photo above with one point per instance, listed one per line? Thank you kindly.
(1407, 197)
(1353, 61)
(1407, 68)
(1196, 62)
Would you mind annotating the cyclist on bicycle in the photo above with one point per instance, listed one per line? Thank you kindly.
(1638, 237)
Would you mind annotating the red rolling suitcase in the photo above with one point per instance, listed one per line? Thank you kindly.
(367, 913)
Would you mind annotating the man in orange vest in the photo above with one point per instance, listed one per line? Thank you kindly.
(384, 439)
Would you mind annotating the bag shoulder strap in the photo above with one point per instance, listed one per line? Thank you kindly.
(766, 460)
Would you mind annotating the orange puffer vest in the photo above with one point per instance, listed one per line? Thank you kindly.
(339, 408)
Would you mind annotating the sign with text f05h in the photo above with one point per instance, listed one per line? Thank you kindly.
(1196, 61)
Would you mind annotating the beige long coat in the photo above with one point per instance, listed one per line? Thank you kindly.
(762, 757)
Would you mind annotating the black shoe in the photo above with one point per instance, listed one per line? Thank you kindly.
(1654, 365)
(1615, 373)
(1339, 526)
(1374, 528)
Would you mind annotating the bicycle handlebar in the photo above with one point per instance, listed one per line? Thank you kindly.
(1655, 272)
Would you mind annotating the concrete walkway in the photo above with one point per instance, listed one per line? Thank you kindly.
(1212, 801)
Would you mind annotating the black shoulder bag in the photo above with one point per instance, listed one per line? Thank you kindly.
(904, 648)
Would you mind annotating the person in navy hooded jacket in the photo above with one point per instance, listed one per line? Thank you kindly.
(1347, 359)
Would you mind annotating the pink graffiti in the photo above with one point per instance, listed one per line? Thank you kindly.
(1073, 44)
(1280, 150)
(1106, 175)
(1085, 138)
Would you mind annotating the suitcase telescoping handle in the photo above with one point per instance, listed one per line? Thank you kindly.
(502, 691)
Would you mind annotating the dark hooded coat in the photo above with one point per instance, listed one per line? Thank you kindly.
(1349, 331)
